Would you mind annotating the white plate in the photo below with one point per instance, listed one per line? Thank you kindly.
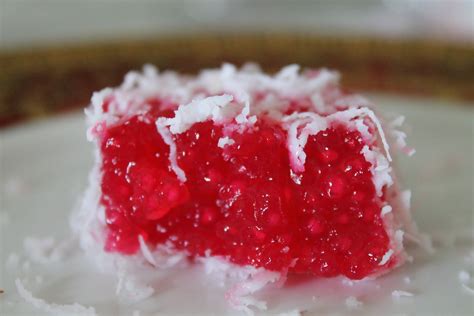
(44, 169)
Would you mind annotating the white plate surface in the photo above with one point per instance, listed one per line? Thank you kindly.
(44, 167)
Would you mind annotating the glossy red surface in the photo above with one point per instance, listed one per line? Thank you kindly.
(243, 201)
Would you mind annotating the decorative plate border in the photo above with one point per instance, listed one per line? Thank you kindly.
(37, 82)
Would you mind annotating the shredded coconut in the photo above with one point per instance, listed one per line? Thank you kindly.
(380, 171)
(247, 281)
(399, 237)
(400, 293)
(73, 309)
(239, 296)
(406, 198)
(224, 141)
(318, 103)
(352, 302)
(386, 257)
(129, 289)
(407, 280)
(219, 109)
(299, 127)
(220, 268)
(168, 139)
(385, 210)
(397, 122)
(216, 108)
(353, 113)
(146, 251)
(165, 256)
(400, 136)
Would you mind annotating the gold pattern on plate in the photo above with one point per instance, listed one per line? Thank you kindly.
(38, 82)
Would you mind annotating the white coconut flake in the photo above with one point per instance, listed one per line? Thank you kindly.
(399, 136)
(385, 210)
(95, 112)
(224, 141)
(129, 289)
(288, 73)
(146, 251)
(299, 127)
(309, 123)
(352, 113)
(407, 280)
(352, 302)
(219, 109)
(243, 85)
(246, 280)
(164, 256)
(221, 269)
(272, 106)
(56, 309)
(386, 257)
(380, 169)
(132, 288)
(318, 103)
(168, 139)
(240, 296)
(377, 123)
(397, 122)
(243, 116)
(213, 108)
(170, 258)
(399, 237)
(399, 293)
(406, 198)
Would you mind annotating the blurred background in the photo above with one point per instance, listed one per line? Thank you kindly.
(55, 53)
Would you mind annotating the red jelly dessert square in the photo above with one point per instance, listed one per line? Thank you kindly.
(285, 173)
